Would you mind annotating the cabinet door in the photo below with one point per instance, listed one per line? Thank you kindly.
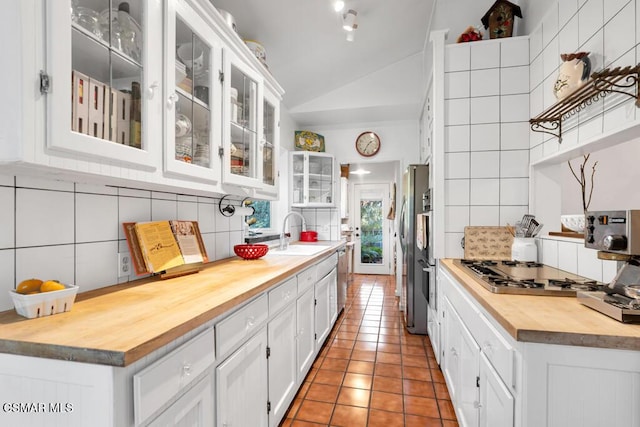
(305, 341)
(333, 297)
(242, 126)
(323, 310)
(452, 342)
(496, 402)
(468, 391)
(193, 108)
(299, 176)
(282, 363)
(105, 66)
(313, 179)
(193, 409)
(269, 147)
(241, 392)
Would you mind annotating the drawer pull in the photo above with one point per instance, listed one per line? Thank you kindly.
(287, 295)
(301, 332)
(454, 353)
(250, 322)
(186, 369)
(487, 347)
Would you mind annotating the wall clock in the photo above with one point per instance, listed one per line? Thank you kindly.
(367, 144)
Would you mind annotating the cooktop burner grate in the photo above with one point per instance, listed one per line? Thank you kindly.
(586, 285)
(528, 264)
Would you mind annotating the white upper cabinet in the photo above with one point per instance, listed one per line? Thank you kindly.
(269, 145)
(105, 80)
(313, 179)
(193, 105)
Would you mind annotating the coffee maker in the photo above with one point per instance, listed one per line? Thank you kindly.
(616, 236)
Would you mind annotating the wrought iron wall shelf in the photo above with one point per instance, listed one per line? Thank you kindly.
(602, 83)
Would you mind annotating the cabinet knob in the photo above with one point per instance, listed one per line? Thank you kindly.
(173, 98)
(301, 332)
(152, 89)
(287, 295)
(454, 353)
(250, 322)
(477, 405)
(186, 369)
(487, 347)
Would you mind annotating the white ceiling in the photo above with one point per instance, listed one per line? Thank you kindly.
(328, 80)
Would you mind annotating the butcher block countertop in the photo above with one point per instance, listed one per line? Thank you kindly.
(550, 320)
(120, 324)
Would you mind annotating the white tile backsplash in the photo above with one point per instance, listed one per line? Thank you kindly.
(514, 80)
(206, 217)
(568, 37)
(457, 138)
(485, 164)
(514, 191)
(456, 192)
(163, 209)
(511, 214)
(485, 55)
(54, 263)
(514, 136)
(187, 211)
(96, 264)
(616, 34)
(550, 24)
(7, 216)
(223, 250)
(456, 85)
(535, 43)
(484, 215)
(457, 218)
(567, 9)
(609, 271)
(590, 19)
(132, 209)
(452, 247)
(514, 164)
(7, 180)
(96, 218)
(456, 111)
(457, 57)
(588, 263)
(485, 82)
(549, 252)
(551, 59)
(485, 109)
(514, 52)
(7, 278)
(43, 183)
(485, 137)
(456, 165)
(44, 217)
(514, 108)
(484, 192)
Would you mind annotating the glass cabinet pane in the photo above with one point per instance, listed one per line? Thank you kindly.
(320, 179)
(269, 124)
(107, 72)
(298, 178)
(244, 124)
(192, 121)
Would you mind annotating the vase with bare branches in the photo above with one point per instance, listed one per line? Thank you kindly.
(582, 180)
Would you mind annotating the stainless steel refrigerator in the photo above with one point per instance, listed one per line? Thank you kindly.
(414, 239)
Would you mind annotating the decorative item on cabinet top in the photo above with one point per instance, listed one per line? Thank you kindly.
(471, 34)
(499, 19)
(602, 83)
(309, 141)
(258, 50)
(574, 72)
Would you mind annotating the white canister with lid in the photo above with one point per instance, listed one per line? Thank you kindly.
(524, 249)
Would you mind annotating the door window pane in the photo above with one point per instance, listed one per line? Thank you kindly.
(371, 231)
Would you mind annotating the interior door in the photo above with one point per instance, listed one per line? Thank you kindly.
(372, 229)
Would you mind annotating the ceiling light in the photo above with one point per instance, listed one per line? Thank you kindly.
(338, 5)
(360, 172)
(349, 20)
(351, 35)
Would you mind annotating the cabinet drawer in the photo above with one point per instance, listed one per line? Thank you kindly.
(235, 328)
(307, 279)
(497, 349)
(326, 265)
(282, 295)
(155, 385)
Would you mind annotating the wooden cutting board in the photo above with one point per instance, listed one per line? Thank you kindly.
(485, 242)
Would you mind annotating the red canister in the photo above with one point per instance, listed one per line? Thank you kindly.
(308, 236)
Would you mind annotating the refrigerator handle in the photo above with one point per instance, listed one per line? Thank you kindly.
(402, 220)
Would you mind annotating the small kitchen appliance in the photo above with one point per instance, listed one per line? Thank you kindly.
(526, 278)
(616, 235)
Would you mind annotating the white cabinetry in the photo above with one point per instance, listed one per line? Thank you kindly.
(193, 409)
(282, 363)
(496, 402)
(313, 179)
(241, 392)
(305, 341)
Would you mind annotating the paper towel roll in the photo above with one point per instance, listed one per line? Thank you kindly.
(245, 211)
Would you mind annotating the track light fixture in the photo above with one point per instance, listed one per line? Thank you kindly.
(349, 20)
(338, 5)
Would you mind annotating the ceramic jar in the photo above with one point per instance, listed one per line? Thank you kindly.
(574, 72)
(524, 249)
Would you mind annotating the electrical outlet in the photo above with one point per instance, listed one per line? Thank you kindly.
(124, 264)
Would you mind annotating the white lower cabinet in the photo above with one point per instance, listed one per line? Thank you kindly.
(496, 402)
(282, 363)
(323, 310)
(305, 340)
(241, 391)
(193, 409)
(333, 296)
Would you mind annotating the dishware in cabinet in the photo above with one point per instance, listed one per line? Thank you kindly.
(104, 73)
(312, 179)
(242, 128)
(269, 144)
(193, 108)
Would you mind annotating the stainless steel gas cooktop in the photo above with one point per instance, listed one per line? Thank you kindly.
(526, 278)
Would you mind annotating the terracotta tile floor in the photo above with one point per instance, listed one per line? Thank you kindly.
(371, 371)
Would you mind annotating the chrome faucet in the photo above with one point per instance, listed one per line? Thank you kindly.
(284, 243)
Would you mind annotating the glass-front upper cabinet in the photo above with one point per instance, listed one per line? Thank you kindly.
(194, 102)
(312, 179)
(269, 146)
(243, 125)
(104, 75)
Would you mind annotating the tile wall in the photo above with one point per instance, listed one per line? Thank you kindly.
(487, 136)
(610, 30)
(325, 221)
(72, 232)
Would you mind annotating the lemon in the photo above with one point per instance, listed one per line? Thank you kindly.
(51, 285)
(28, 286)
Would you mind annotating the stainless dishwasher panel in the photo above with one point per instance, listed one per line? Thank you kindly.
(343, 264)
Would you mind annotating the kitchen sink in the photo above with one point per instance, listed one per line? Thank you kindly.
(304, 250)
